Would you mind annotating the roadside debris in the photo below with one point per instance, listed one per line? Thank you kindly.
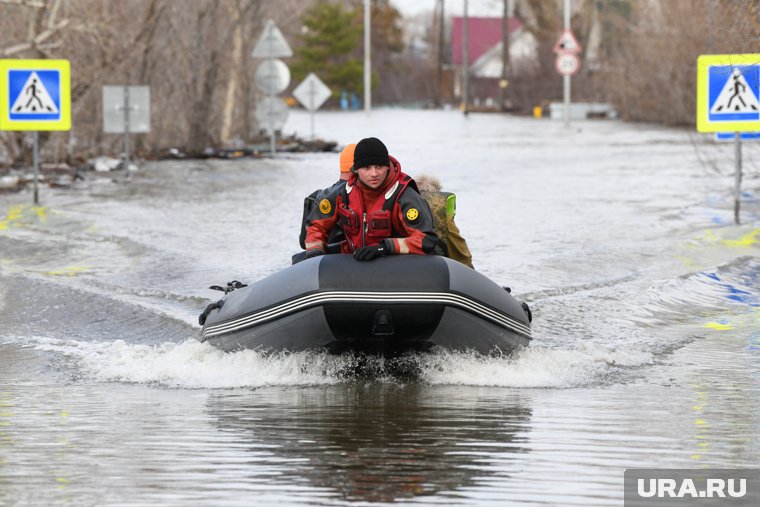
(62, 175)
(290, 144)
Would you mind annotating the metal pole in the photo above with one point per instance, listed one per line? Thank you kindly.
(738, 177)
(439, 55)
(312, 94)
(367, 59)
(465, 62)
(272, 141)
(504, 56)
(270, 62)
(126, 131)
(710, 32)
(566, 79)
(566, 95)
(36, 163)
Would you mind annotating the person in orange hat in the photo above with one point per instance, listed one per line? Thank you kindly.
(337, 236)
(346, 162)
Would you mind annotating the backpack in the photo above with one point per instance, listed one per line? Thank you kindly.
(309, 203)
(451, 243)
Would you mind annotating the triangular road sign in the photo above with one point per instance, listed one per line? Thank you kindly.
(271, 43)
(567, 42)
(736, 96)
(34, 98)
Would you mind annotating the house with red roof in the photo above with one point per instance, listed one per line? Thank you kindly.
(484, 53)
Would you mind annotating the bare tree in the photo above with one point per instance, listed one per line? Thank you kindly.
(650, 65)
(195, 56)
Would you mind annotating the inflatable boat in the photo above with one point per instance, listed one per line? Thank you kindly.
(388, 306)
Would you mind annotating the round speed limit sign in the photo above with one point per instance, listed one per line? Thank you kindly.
(567, 64)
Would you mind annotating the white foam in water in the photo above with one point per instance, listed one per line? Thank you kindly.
(191, 364)
(533, 367)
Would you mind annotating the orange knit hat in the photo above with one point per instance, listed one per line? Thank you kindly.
(347, 158)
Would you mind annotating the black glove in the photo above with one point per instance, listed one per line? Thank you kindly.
(314, 252)
(367, 253)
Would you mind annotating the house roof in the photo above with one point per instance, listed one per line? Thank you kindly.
(483, 34)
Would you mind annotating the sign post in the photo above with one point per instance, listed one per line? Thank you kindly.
(35, 95)
(271, 45)
(728, 100)
(126, 109)
(312, 93)
(567, 63)
(36, 164)
(737, 176)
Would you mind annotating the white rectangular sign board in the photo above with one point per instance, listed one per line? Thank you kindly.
(113, 109)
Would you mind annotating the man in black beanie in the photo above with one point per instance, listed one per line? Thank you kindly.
(370, 150)
(371, 153)
(379, 209)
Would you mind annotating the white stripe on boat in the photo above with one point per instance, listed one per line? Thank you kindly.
(320, 298)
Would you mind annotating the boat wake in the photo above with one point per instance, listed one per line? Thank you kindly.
(707, 297)
(195, 365)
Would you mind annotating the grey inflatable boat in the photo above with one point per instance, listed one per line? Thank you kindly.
(388, 306)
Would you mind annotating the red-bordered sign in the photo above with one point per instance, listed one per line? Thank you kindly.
(567, 43)
(567, 64)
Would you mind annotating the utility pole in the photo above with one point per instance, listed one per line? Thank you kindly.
(367, 59)
(465, 63)
(504, 82)
(439, 56)
(566, 78)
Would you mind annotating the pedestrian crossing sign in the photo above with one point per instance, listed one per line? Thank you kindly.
(728, 93)
(35, 95)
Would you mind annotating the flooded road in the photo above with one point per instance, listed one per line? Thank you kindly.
(646, 350)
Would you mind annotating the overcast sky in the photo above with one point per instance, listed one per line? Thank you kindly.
(452, 7)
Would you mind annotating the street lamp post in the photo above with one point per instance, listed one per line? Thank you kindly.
(367, 59)
(465, 62)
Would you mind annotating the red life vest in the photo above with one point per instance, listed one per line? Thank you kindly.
(367, 227)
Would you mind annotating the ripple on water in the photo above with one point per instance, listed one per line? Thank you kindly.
(730, 288)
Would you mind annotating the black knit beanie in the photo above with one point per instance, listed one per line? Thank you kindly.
(370, 151)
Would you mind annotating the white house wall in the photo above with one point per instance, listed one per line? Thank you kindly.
(523, 53)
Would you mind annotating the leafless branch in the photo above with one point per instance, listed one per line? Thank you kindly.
(36, 41)
(26, 3)
(53, 13)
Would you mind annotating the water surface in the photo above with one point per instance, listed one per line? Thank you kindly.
(646, 301)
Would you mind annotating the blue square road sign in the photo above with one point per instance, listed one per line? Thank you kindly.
(728, 93)
(34, 94)
(734, 92)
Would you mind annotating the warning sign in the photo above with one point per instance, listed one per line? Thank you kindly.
(35, 95)
(271, 43)
(728, 93)
(567, 43)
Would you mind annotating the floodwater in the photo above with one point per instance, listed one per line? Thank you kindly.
(646, 350)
